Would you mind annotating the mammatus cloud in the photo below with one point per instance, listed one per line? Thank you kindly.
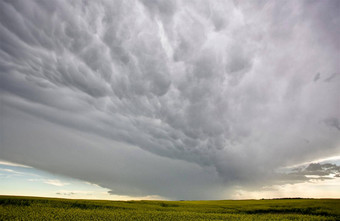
(225, 92)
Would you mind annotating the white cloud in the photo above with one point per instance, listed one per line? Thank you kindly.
(11, 171)
(6, 163)
(54, 182)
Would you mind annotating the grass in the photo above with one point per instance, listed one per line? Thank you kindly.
(35, 208)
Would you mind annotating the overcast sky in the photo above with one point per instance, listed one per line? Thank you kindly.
(176, 99)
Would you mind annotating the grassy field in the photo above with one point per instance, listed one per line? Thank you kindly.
(34, 208)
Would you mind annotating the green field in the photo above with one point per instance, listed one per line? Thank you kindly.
(34, 208)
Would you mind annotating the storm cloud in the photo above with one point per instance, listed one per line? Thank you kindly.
(159, 97)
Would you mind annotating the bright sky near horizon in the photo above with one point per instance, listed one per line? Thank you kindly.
(21, 180)
(163, 99)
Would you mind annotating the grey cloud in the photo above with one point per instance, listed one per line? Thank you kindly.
(65, 194)
(330, 78)
(327, 168)
(219, 85)
(333, 122)
(313, 171)
(125, 169)
(317, 77)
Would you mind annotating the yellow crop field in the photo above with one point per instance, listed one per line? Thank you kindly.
(34, 208)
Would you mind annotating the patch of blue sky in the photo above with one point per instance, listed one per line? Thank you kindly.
(18, 179)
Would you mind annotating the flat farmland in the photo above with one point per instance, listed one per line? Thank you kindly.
(36, 208)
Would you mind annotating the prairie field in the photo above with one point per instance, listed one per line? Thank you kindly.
(36, 208)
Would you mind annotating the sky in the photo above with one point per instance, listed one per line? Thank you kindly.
(170, 99)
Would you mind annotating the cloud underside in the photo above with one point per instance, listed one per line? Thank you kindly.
(155, 98)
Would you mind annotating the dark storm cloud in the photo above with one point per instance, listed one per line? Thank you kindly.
(219, 85)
